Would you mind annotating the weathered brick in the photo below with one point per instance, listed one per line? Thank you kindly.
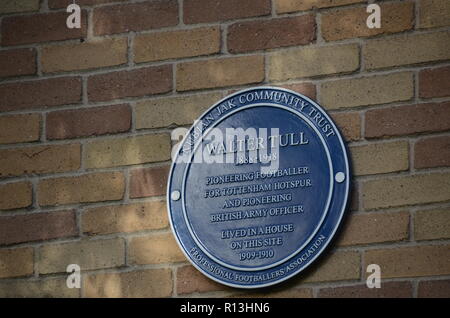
(176, 44)
(39, 159)
(432, 224)
(380, 158)
(366, 91)
(190, 280)
(164, 112)
(434, 82)
(88, 55)
(15, 195)
(17, 62)
(88, 122)
(148, 182)
(127, 151)
(413, 261)
(307, 89)
(201, 11)
(138, 82)
(286, 6)
(125, 218)
(387, 290)
(407, 120)
(154, 249)
(432, 152)
(16, 262)
(135, 17)
(88, 255)
(406, 190)
(42, 27)
(351, 23)
(62, 4)
(136, 284)
(434, 289)
(13, 6)
(40, 93)
(434, 13)
(45, 288)
(84, 188)
(19, 128)
(268, 34)
(349, 124)
(220, 72)
(284, 65)
(37, 227)
(343, 265)
(406, 50)
(370, 228)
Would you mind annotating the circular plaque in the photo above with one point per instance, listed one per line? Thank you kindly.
(258, 187)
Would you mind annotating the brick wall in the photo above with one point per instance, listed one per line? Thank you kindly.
(86, 116)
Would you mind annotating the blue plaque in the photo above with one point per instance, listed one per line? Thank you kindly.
(258, 187)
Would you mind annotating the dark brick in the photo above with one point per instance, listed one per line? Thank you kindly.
(434, 289)
(42, 27)
(40, 93)
(37, 227)
(201, 11)
(17, 62)
(432, 152)
(140, 82)
(407, 120)
(434, 82)
(135, 17)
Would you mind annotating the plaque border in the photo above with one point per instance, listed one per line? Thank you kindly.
(331, 234)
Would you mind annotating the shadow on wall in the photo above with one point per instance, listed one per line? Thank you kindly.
(116, 191)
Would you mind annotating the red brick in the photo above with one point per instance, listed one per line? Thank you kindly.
(432, 152)
(201, 11)
(148, 182)
(434, 82)
(190, 280)
(434, 289)
(135, 17)
(307, 89)
(37, 227)
(139, 82)
(62, 4)
(407, 120)
(261, 35)
(42, 27)
(387, 290)
(88, 122)
(17, 62)
(40, 93)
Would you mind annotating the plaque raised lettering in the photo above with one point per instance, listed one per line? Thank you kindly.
(258, 187)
